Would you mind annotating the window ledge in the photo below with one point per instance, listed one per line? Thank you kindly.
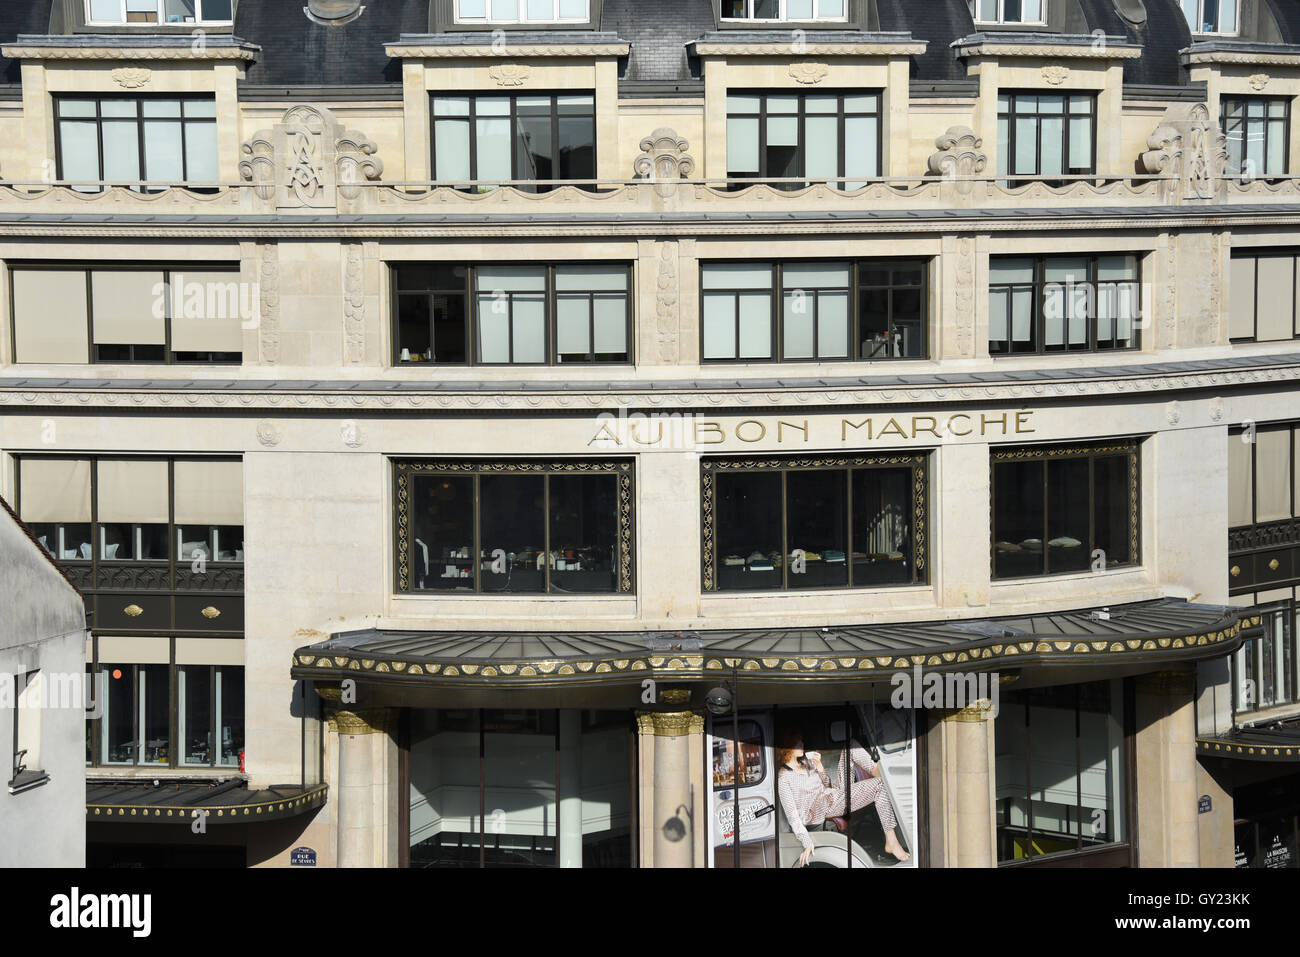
(27, 781)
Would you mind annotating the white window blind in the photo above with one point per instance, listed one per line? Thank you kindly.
(50, 318)
(132, 490)
(209, 492)
(55, 490)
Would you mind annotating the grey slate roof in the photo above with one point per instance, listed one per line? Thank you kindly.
(21, 16)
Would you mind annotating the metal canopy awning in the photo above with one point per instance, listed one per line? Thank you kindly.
(1276, 743)
(231, 802)
(1161, 631)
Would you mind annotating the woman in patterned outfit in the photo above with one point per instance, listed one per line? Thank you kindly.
(809, 796)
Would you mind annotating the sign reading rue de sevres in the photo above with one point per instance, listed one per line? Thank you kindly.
(676, 430)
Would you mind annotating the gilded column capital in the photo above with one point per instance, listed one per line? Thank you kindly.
(670, 724)
(980, 710)
(369, 721)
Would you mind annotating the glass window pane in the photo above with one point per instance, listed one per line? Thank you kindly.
(228, 690)
(494, 328)
(742, 145)
(512, 520)
(755, 325)
(472, 9)
(799, 9)
(194, 715)
(999, 314)
(572, 328)
(451, 149)
(833, 325)
(1011, 270)
(748, 530)
(861, 149)
(1026, 145)
(737, 275)
(442, 522)
(154, 702)
(505, 10)
(823, 149)
(1018, 519)
(611, 327)
(590, 278)
(106, 11)
(529, 328)
(79, 151)
(1068, 516)
(817, 527)
(882, 530)
(541, 10)
(201, 151)
(573, 10)
(121, 150)
(1022, 316)
(1080, 143)
(1053, 135)
(742, 103)
(117, 723)
(584, 533)
(1112, 510)
(798, 329)
(1065, 269)
(782, 131)
(577, 147)
(494, 148)
(162, 152)
(830, 8)
(451, 106)
(719, 325)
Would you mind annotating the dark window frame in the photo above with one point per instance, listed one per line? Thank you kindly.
(1130, 448)
(1009, 116)
(405, 471)
(1039, 319)
(92, 350)
(513, 116)
(471, 293)
(1293, 428)
(776, 293)
(139, 120)
(801, 148)
(919, 520)
(1251, 655)
(1266, 121)
(1281, 252)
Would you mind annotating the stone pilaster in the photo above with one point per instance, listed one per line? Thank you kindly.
(961, 790)
(364, 741)
(671, 803)
(1166, 777)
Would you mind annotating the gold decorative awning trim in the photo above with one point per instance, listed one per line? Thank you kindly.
(219, 813)
(1017, 651)
(1217, 748)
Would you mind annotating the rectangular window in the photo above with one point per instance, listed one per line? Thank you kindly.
(1263, 475)
(1046, 135)
(843, 522)
(1263, 305)
(28, 702)
(140, 506)
(1266, 670)
(831, 136)
(514, 138)
(1059, 511)
(1211, 16)
(130, 314)
(783, 11)
(133, 12)
(1258, 130)
(210, 715)
(1051, 304)
(1062, 755)
(522, 11)
(513, 315)
(161, 140)
(808, 311)
(515, 527)
(1008, 11)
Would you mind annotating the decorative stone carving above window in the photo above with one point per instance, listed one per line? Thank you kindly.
(1189, 146)
(132, 77)
(509, 74)
(308, 160)
(809, 74)
(1258, 80)
(960, 154)
(664, 159)
(1055, 75)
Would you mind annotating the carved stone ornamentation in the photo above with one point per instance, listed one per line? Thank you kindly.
(809, 74)
(269, 433)
(960, 155)
(1173, 413)
(308, 159)
(354, 308)
(132, 77)
(663, 160)
(1188, 147)
(964, 296)
(1216, 409)
(666, 302)
(268, 278)
(1055, 75)
(509, 74)
(1258, 81)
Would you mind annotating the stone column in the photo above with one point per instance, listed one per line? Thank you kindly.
(1167, 834)
(962, 787)
(669, 834)
(570, 788)
(361, 795)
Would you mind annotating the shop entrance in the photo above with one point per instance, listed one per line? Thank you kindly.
(521, 788)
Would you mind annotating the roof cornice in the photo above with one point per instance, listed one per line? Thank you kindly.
(117, 47)
(436, 46)
(812, 43)
(1239, 52)
(1052, 45)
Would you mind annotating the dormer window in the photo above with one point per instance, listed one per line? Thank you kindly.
(1211, 16)
(1008, 11)
(145, 12)
(783, 11)
(522, 11)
